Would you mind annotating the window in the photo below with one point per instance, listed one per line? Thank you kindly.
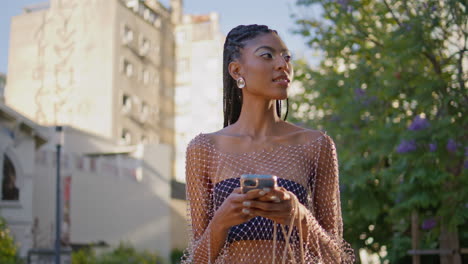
(157, 22)
(156, 79)
(9, 190)
(126, 103)
(132, 3)
(127, 34)
(146, 76)
(147, 14)
(144, 112)
(126, 137)
(127, 68)
(144, 46)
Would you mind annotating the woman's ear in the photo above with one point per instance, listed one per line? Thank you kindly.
(235, 70)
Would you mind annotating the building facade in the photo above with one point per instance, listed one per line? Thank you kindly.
(106, 67)
(19, 140)
(110, 194)
(199, 83)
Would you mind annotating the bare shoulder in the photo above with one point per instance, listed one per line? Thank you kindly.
(198, 144)
(302, 135)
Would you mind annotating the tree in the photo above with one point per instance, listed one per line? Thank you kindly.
(391, 90)
(8, 249)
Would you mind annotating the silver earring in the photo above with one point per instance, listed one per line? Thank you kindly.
(240, 83)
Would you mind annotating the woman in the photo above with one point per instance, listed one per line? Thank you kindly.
(297, 222)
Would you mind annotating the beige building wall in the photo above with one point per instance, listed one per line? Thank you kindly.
(116, 194)
(106, 67)
(199, 99)
(60, 65)
(19, 139)
(145, 50)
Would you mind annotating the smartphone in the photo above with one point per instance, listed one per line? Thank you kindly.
(257, 181)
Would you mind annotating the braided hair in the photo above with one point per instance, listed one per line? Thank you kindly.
(232, 96)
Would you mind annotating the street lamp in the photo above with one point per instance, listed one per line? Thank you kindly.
(58, 209)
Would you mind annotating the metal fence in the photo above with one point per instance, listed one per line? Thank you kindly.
(47, 256)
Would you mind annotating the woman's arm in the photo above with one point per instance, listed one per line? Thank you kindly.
(326, 223)
(205, 239)
(209, 229)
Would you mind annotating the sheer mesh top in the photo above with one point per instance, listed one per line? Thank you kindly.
(309, 170)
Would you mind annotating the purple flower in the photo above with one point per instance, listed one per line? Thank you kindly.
(345, 5)
(343, 2)
(432, 147)
(369, 100)
(359, 92)
(361, 96)
(418, 124)
(407, 26)
(466, 164)
(428, 224)
(406, 146)
(451, 145)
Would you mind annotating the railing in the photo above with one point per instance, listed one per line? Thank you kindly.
(46, 256)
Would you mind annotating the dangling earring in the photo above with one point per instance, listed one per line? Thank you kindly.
(240, 83)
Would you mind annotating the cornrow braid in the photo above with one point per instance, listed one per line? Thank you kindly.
(232, 96)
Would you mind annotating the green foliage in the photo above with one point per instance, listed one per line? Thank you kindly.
(124, 253)
(176, 255)
(84, 256)
(391, 91)
(8, 249)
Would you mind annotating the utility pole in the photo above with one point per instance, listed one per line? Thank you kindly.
(58, 209)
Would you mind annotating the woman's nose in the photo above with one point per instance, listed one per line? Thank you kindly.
(282, 64)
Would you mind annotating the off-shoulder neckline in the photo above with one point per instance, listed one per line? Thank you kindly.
(209, 141)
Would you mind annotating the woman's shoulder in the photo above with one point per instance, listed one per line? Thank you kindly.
(302, 135)
(199, 143)
(291, 133)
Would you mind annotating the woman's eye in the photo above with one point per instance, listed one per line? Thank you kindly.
(267, 55)
(287, 58)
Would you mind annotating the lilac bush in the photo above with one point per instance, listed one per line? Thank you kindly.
(418, 124)
(406, 146)
(451, 146)
(432, 147)
(429, 224)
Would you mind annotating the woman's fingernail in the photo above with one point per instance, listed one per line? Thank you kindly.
(266, 189)
(246, 203)
(246, 211)
(262, 192)
(273, 198)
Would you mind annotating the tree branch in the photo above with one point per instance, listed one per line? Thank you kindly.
(393, 14)
(435, 63)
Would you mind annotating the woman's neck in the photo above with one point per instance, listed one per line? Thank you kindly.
(257, 119)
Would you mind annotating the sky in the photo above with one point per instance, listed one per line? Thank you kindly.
(274, 13)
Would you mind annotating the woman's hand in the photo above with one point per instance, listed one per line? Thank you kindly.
(233, 210)
(278, 205)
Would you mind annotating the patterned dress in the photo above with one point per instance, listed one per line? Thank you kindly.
(309, 170)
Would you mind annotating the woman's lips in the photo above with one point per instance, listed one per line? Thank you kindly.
(282, 80)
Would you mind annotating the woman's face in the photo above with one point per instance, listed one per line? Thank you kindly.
(265, 65)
